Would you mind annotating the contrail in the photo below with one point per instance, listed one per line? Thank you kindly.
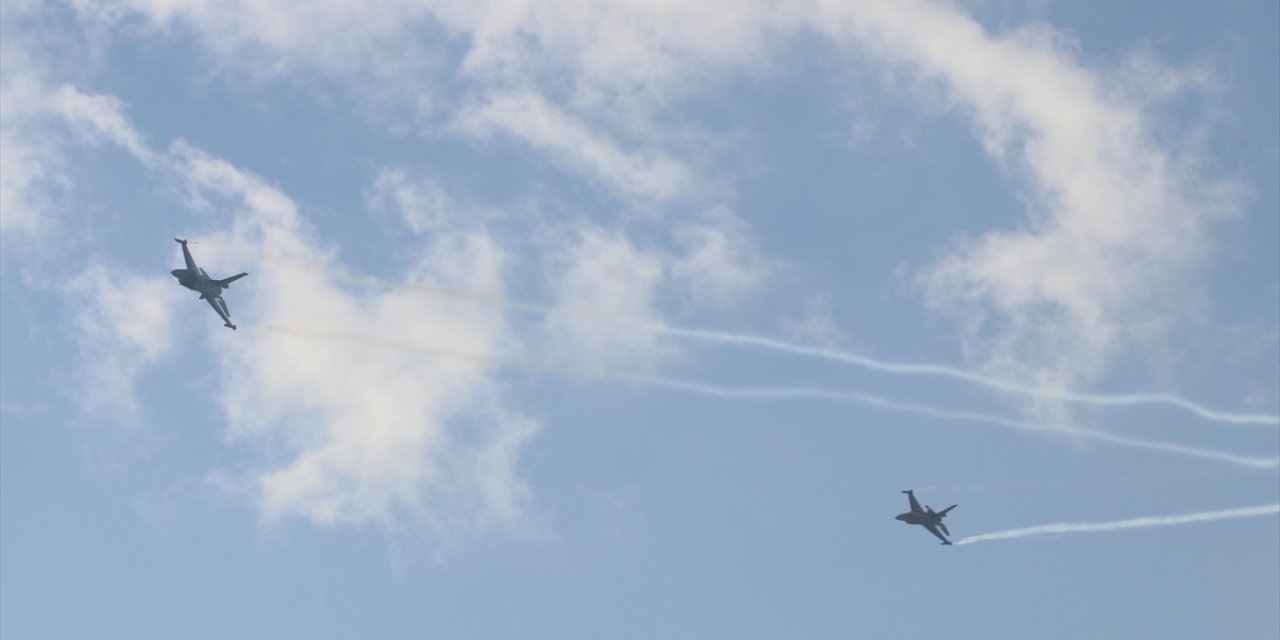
(779, 393)
(1120, 525)
(835, 355)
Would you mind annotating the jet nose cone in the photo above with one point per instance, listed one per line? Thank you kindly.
(900, 517)
(177, 273)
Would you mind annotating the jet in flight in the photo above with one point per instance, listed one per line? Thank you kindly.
(926, 518)
(195, 279)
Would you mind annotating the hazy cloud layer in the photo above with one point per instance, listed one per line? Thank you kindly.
(1116, 215)
(1115, 221)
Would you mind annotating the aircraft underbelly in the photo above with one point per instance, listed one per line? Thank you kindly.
(219, 306)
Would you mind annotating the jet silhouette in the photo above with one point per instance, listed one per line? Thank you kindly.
(926, 517)
(195, 279)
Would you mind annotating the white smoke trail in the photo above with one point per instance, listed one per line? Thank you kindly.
(799, 392)
(969, 376)
(1120, 525)
(834, 355)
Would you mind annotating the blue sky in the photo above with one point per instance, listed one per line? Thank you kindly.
(585, 319)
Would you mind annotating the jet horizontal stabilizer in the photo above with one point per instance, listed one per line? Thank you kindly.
(224, 283)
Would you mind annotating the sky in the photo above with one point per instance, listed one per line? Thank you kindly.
(632, 319)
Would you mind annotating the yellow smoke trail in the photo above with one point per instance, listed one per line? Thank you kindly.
(782, 346)
(767, 393)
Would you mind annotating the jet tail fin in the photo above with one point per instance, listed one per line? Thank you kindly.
(227, 282)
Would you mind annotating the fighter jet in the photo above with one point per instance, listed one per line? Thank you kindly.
(195, 279)
(926, 517)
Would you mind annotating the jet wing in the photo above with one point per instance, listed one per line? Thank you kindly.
(944, 528)
(221, 307)
(915, 506)
(186, 255)
(934, 530)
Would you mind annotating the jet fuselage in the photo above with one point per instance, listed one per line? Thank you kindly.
(919, 518)
(210, 290)
(926, 517)
(199, 281)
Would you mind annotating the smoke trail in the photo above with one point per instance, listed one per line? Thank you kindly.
(1120, 525)
(835, 355)
(780, 393)
(969, 376)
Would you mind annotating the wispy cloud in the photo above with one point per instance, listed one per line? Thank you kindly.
(575, 145)
(340, 436)
(39, 121)
(423, 203)
(124, 324)
(99, 119)
(359, 437)
(1123, 525)
(1117, 220)
(30, 158)
(720, 262)
(604, 273)
(1116, 225)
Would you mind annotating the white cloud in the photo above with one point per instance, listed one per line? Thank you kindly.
(575, 145)
(720, 263)
(626, 49)
(422, 203)
(268, 38)
(31, 169)
(577, 81)
(204, 176)
(814, 325)
(624, 54)
(1117, 218)
(369, 431)
(355, 434)
(38, 122)
(599, 278)
(123, 321)
(342, 434)
(29, 146)
(608, 289)
(97, 119)
(1116, 215)
(124, 324)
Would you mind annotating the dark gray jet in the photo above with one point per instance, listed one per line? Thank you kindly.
(926, 517)
(195, 279)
